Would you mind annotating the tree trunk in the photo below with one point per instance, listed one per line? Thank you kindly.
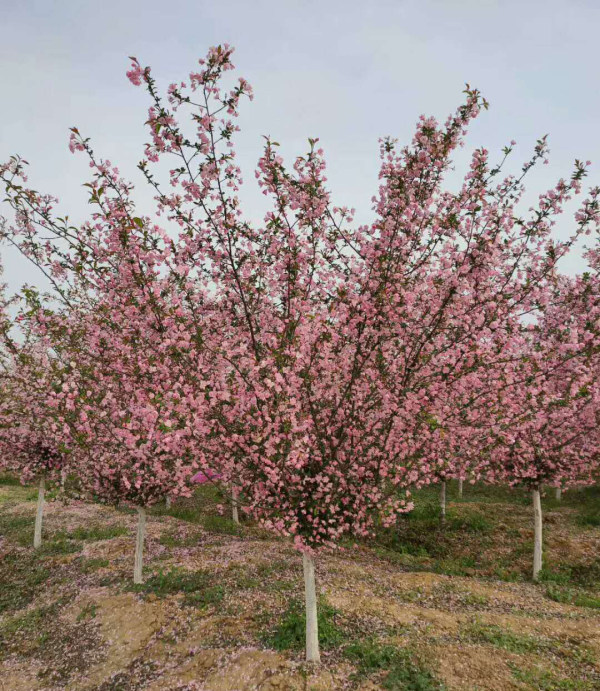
(37, 533)
(443, 501)
(537, 539)
(168, 501)
(310, 594)
(234, 504)
(63, 478)
(139, 546)
(460, 487)
(558, 493)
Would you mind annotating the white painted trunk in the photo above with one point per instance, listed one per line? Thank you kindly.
(139, 545)
(312, 626)
(537, 534)
(234, 505)
(168, 502)
(39, 516)
(558, 493)
(443, 500)
(460, 487)
(63, 477)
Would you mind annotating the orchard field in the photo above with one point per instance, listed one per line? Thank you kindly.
(421, 606)
(388, 412)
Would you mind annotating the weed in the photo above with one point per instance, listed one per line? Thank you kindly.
(498, 637)
(9, 479)
(90, 565)
(543, 680)
(404, 671)
(221, 525)
(95, 533)
(26, 575)
(204, 597)
(175, 581)
(572, 597)
(290, 634)
(87, 612)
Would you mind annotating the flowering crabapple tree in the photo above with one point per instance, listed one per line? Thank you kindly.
(124, 338)
(31, 441)
(340, 342)
(542, 428)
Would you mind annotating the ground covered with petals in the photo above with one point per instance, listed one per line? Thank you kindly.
(422, 606)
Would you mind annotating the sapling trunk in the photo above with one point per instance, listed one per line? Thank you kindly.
(537, 534)
(310, 595)
(39, 516)
(139, 546)
(443, 501)
(63, 478)
(234, 504)
(460, 487)
(558, 493)
(168, 501)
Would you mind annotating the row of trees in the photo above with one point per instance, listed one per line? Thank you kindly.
(317, 368)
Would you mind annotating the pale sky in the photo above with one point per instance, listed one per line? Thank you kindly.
(346, 71)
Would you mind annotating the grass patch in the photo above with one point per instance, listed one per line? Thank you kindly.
(175, 539)
(403, 670)
(88, 612)
(28, 632)
(95, 533)
(221, 525)
(92, 564)
(196, 586)
(54, 547)
(572, 597)
(17, 529)
(507, 640)
(8, 479)
(543, 680)
(459, 566)
(204, 597)
(26, 574)
(290, 633)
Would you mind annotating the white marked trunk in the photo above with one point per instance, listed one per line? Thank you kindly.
(37, 533)
(168, 501)
(443, 501)
(460, 487)
(63, 477)
(234, 504)
(537, 534)
(312, 626)
(139, 546)
(558, 493)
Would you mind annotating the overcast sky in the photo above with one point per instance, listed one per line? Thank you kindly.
(346, 71)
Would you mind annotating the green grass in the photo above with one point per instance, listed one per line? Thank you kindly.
(9, 479)
(221, 525)
(580, 575)
(33, 627)
(95, 533)
(17, 528)
(207, 596)
(89, 565)
(491, 634)
(197, 586)
(26, 575)
(402, 670)
(54, 547)
(572, 597)
(87, 612)
(175, 539)
(543, 680)
(290, 632)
